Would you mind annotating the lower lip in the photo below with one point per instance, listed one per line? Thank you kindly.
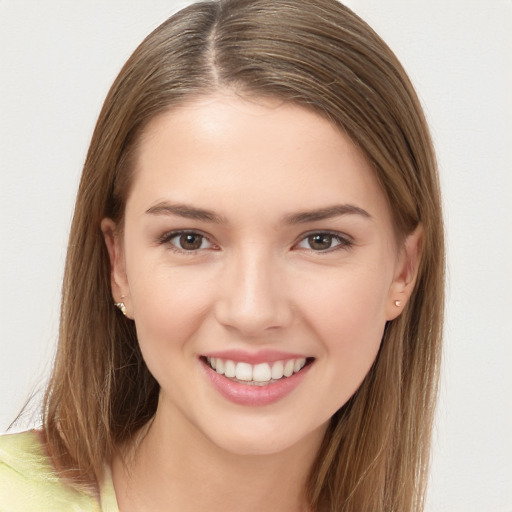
(245, 394)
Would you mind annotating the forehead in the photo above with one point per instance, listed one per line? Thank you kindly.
(251, 151)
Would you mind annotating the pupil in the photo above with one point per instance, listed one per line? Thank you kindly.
(320, 242)
(190, 242)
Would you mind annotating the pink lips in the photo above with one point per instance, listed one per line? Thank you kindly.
(254, 395)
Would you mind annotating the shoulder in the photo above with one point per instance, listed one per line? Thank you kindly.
(28, 480)
(23, 454)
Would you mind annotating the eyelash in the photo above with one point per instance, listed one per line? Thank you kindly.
(167, 238)
(344, 242)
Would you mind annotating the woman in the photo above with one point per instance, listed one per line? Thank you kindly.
(252, 302)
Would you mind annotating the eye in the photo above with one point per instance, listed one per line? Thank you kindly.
(324, 241)
(186, 241)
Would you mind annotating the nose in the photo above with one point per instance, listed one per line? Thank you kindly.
(252, 296)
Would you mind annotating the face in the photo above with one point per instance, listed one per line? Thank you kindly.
(259, 264)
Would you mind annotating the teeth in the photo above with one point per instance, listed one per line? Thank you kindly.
(262, 372)
(220, 366)
(229, 369)
(243, 371)
(298, 364)
(288, 368)
(277, 370)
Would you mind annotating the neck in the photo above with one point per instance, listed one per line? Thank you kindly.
(175, 467)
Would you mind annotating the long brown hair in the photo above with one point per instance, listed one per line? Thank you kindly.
(318, 54)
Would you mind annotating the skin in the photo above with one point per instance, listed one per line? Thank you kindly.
(256, 281)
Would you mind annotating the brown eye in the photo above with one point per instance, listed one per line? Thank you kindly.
(324, 242)
(187, 242)
(320, 241)
(190, 241)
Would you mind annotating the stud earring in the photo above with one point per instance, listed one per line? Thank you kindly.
(121, 307)
(398, 303)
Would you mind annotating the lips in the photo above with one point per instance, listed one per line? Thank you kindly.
(255, 379)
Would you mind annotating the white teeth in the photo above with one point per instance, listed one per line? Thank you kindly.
(298, 364)
(262, 372)
(229, 369)
(243, 371)
(288, 368)
(277, 370)
(220, 366)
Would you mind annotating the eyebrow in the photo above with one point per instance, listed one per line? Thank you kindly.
(186, 211)
(325, 213)
(191, 212)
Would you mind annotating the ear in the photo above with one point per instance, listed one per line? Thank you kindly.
(118, 278)
(406, 272)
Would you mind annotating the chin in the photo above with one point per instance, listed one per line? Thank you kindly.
(267, 439)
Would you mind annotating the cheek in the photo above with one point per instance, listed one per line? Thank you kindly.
(348, 316)
(169, 306)
(352, 299)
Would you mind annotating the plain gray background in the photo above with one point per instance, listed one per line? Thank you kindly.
(57, 60)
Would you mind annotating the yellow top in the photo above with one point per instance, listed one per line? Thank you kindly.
(28, 481)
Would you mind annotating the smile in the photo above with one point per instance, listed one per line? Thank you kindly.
(259, 374)
(255, 379)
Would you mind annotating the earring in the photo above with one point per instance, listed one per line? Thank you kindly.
(121, 307)
(398, 303)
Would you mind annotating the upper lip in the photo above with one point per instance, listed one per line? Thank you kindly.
(261, 356)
